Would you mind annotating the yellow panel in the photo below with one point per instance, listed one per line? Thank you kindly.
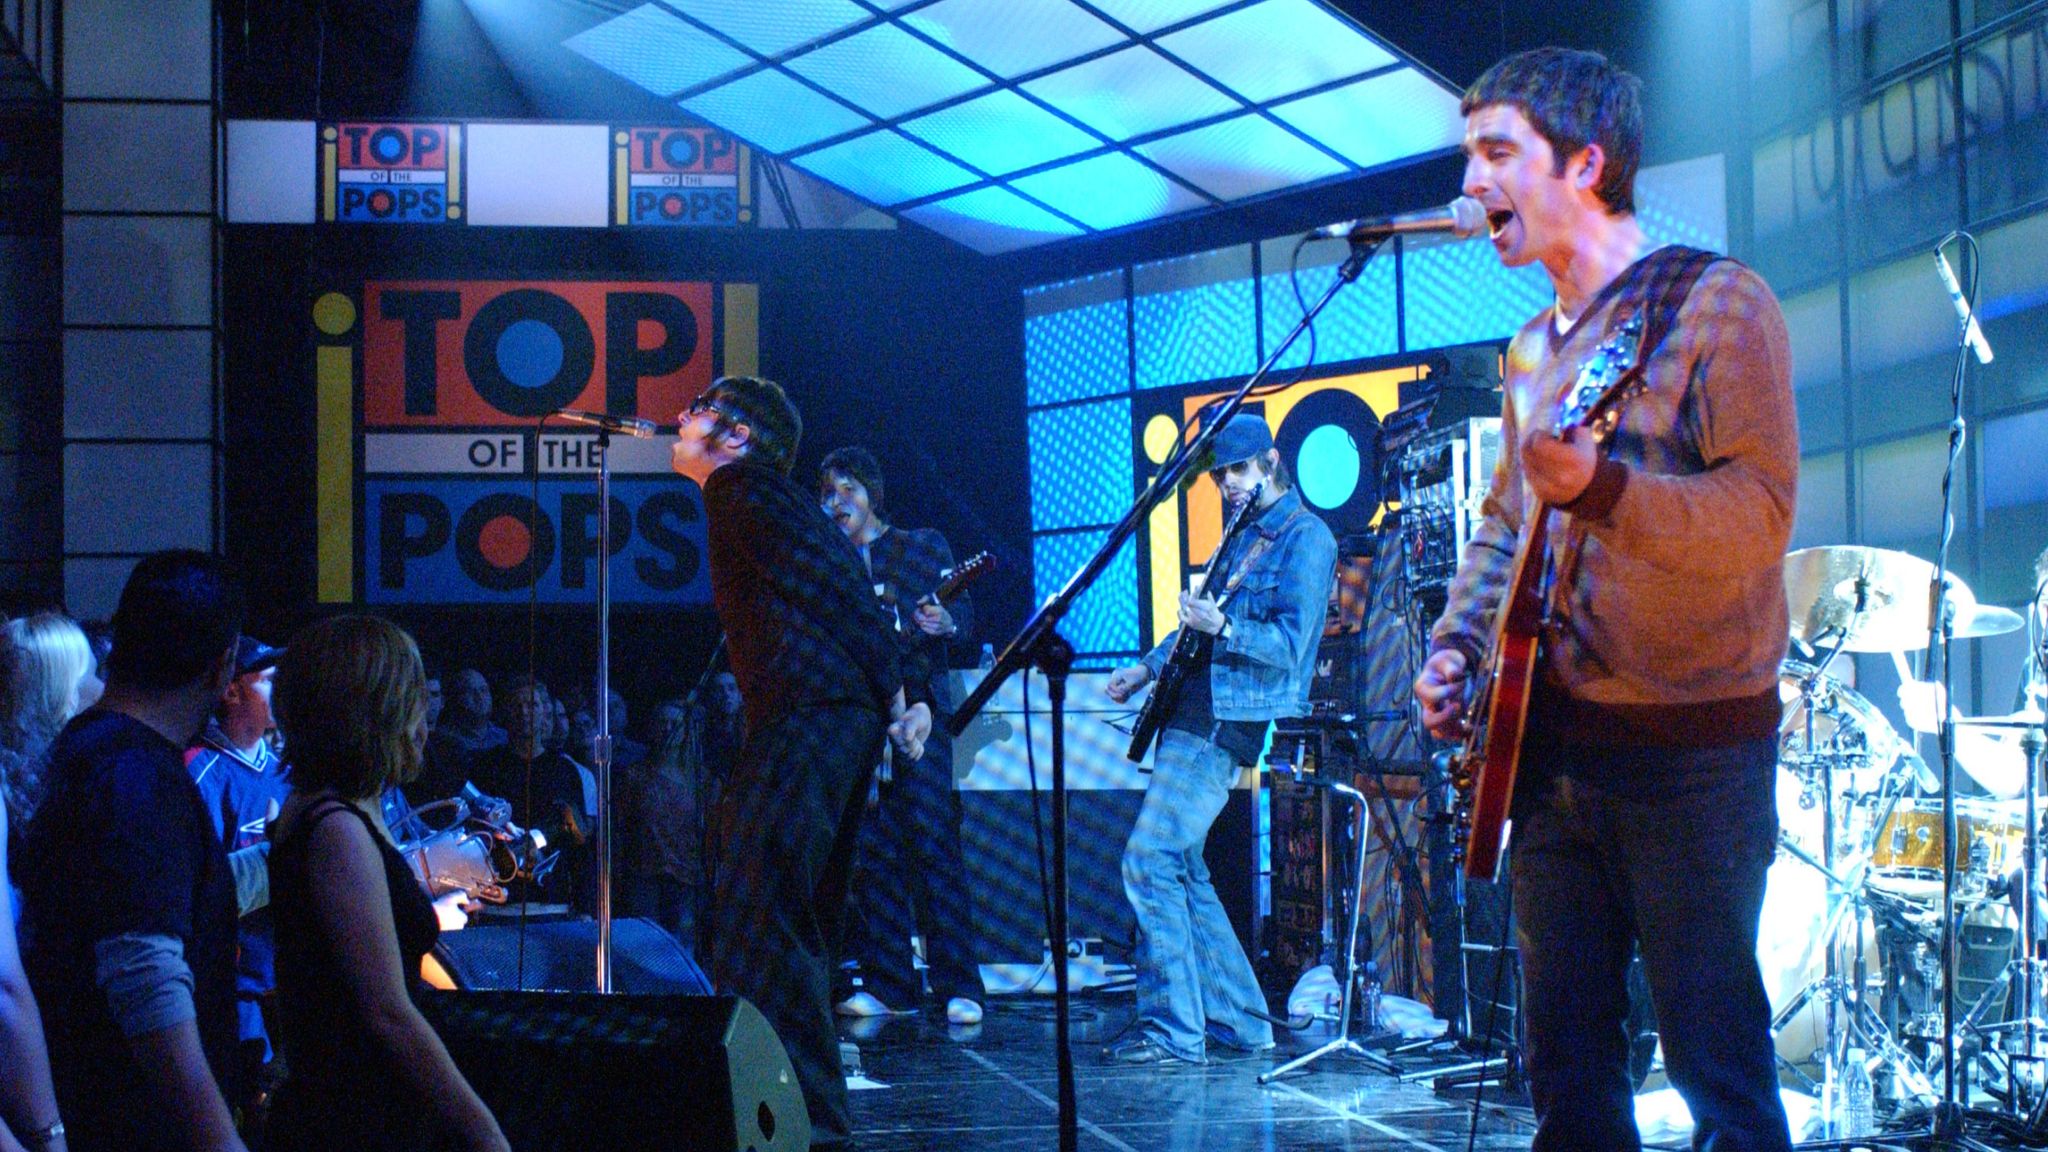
(454, 132)
(334, 377)
(742, 330)
(1163, 532)
(329, 160)
(621, 177)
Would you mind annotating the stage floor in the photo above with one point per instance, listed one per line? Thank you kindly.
(992, 1086)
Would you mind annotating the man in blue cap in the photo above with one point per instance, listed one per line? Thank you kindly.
(1261, 609)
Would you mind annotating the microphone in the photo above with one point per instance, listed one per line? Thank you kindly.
(1971, 333)
(1461, 218)
(629, 425)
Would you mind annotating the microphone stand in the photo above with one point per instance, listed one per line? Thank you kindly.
(1946, 1129)
(1040, 645)
(603, 767)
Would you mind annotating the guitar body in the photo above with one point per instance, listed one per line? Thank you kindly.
(1484, 770)
(1487, 766)
(1166, 689)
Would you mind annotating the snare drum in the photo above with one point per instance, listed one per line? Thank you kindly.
(1906, 858)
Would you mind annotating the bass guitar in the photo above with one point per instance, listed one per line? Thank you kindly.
(1167, 688)
(1484, 769)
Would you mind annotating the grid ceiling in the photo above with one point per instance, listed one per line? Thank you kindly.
(1008, 123)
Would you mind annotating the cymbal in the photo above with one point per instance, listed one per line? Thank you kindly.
(1875, 600)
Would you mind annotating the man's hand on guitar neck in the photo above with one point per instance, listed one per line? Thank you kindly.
(1441, 689)
(1559, 467)
(1127, 680)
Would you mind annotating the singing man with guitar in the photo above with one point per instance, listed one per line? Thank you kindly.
(1259, 616)
(910, 877)
(1650, 448)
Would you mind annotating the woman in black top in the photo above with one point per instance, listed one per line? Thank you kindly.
(366, 1070)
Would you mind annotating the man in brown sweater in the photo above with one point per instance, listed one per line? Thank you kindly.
(1643, 814)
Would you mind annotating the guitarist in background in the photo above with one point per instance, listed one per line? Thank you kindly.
(1643, 813)
(1194, 983)
(910, 876)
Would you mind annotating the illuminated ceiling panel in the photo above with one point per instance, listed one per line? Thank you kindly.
(1001, 133)
(1009, 123)
(886, 168)
(1241, 157)
(887, 71)
(774, 28)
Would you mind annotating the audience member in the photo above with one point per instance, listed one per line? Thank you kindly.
(129, 909)
(626, 751)
(243, 783)
(28, 1101)
(659, 814)
(544, 787)
(353, 924)
(46, 678)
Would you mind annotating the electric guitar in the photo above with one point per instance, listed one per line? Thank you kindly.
(1484, 770)
(1167, 688)
(952, 581)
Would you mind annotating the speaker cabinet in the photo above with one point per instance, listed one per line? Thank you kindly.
(561, 956)
(625, 1073)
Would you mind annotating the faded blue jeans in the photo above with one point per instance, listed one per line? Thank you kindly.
(1193, 977)
(1670, 856)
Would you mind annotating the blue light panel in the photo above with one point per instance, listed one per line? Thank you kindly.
(1240, 157)
(1130, 93)
(1012, 37)
(1105, 618)
(1000, 133)
(886, 168)
(1145, 16)
(1108, 191)
(1076, 339)
(887, 71)
(772, 29)
(774, 111)
(657, 50)
(1373, 122)
(1276, 49)
(992, 220)
(1080, 464)
(1362, 322)
(1191, 318)
(1458, 293)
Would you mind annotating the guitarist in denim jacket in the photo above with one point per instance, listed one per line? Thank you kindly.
(1643, 812)
(1194, 982)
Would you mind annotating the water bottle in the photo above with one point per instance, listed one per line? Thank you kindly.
(988, 657)
(1859, 1105)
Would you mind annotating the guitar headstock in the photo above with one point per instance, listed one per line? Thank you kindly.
(964, 573)
(1604, 380)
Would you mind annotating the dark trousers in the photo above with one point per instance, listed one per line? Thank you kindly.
(1673, 862)
(913, 879)
(782, 842)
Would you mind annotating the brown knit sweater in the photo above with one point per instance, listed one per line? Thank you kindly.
(1669, 618)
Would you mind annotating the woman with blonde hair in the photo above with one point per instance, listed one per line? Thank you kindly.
(46, 678)
(352, 923)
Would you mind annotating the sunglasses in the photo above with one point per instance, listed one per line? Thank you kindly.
(703, 403)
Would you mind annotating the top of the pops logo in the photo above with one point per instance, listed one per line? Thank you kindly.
(389, 173)
(478, 353)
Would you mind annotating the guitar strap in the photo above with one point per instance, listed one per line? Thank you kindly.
(1242, 568)
(1657, 287)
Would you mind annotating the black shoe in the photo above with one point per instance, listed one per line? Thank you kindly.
(1143, 1050)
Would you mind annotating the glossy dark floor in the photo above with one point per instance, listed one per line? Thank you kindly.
(992, 1087)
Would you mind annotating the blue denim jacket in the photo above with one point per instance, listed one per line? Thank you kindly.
(1262, 671)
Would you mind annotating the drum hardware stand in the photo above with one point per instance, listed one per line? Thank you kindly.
(1353, 976)
(2026, 975)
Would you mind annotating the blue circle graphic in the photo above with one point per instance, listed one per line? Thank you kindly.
(1327, 467)
(529, 353)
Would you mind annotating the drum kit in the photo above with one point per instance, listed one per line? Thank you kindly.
(1852, 942)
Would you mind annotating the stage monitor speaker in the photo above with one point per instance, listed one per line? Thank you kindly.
(561, 956)
(624, 1073)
